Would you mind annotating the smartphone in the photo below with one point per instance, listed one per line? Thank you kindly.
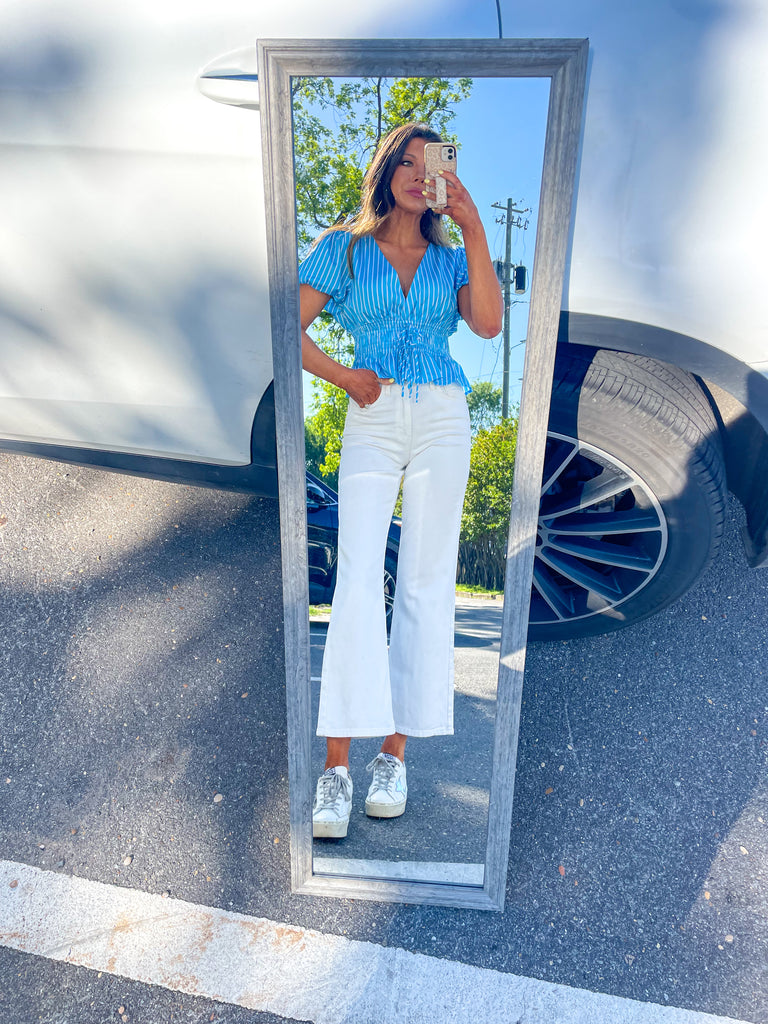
(438, 156)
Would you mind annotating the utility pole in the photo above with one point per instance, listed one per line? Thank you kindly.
(510, 223)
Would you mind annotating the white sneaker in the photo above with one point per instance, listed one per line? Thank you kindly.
(389, 790)
(333, 804)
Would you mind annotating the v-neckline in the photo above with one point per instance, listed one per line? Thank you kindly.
(391, 266)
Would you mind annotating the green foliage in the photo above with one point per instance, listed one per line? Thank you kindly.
(485, 518)
(465, 588)
(324, 427)
(314, 447)
(484, 403)
(489, 490)
(323, 431)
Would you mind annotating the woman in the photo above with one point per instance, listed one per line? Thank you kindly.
(391, 279)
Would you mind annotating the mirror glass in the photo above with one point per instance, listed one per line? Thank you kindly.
(499, 125)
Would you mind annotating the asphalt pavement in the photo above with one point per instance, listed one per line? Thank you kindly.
(143, 726)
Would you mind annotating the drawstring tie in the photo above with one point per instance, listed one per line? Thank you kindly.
(407, 352)
(404, 344)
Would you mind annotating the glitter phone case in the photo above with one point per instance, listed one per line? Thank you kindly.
(438, 156)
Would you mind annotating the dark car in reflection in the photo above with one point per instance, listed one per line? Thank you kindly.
(322, 544)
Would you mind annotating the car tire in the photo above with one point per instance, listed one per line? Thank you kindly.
(633, 493)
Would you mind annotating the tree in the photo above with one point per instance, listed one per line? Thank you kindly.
(337, 126)
(323, 431)
(484, 403)
(485, 519)
(314, 448)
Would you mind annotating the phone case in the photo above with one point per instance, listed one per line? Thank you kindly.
(439, 156)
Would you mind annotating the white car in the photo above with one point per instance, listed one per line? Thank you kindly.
(134, 312)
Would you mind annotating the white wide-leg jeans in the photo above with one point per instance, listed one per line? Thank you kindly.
(424, 439)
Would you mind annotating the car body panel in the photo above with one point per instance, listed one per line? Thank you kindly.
(134, 307)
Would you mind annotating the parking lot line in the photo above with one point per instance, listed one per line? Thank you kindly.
(281, 968)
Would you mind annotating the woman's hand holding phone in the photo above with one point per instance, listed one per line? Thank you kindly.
(460, 206)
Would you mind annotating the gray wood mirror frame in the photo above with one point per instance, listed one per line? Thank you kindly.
(564, 62)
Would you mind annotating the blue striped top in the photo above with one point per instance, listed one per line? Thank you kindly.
(396, 335)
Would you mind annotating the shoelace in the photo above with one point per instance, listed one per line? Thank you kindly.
(384, 768)
(331, 787)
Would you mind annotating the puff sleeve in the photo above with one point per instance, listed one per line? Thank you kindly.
(325, 267)
(460, 271)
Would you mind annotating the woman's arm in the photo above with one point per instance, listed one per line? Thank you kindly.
(480, 302)
(363, 386)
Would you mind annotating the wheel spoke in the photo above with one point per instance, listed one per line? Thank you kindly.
(555, 462)
(636, 520)
(555, 597)
(605, 554)
(585, 576)
(601, 488)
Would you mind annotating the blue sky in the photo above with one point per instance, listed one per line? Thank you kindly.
(501, 131)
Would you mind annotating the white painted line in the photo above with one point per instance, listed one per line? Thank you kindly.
(279, 968)
(420, 870)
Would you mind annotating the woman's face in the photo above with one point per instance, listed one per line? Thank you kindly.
(407, 182)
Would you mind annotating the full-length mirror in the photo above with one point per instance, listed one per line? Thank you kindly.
(451, 846)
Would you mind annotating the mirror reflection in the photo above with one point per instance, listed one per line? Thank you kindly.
(407, 657)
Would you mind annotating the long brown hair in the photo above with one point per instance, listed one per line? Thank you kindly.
(377, 200)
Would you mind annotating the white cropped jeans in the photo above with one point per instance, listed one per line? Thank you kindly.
(423, 438)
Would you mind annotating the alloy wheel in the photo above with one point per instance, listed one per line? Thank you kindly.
(602, 534)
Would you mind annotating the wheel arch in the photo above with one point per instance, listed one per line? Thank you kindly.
(737, 393)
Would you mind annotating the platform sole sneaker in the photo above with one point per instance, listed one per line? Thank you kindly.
(333, 804)
(388, 792)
